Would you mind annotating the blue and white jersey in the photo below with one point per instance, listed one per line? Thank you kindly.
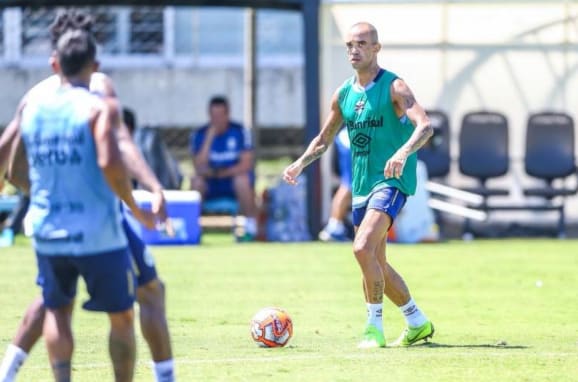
(227, 148)
(72, 211)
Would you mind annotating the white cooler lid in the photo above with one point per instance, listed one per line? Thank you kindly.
(170, 195)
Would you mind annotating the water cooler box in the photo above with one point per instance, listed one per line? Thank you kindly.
(184, 210)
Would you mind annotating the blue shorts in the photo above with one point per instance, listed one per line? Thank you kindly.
(109, 279)
(220, 188)
(142, 259)
(223, 187)
(389, 200)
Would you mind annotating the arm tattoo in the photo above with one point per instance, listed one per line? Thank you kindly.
(317, 152)
(419, 137)
(408, 100)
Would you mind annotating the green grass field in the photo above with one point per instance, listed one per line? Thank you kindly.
(494, 322)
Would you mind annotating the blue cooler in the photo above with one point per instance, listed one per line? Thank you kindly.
(184, 210)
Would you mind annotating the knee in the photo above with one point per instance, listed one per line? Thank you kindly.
(242, 181)
(122, 320)
(35, 312)
(151, 294)
(361, 250)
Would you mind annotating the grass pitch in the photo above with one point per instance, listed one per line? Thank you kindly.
(503, 310)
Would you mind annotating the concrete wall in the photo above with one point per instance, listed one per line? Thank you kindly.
(515, 57)
(179, 96)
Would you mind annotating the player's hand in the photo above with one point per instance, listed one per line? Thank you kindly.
(395, 165)
(146, 218)
(291, 173)
(159, 209)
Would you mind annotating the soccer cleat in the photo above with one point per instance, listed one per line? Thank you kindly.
(372, 338)
(245, 238)
(410, 336)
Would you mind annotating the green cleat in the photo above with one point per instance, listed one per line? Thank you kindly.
(372, 338)
(410, 336)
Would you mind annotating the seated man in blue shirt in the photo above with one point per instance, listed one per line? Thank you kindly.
(223, 161)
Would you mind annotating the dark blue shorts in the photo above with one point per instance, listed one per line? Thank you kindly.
(109, 279)
(142, 259)
(220, 188)
(223, 187)
(389, 200)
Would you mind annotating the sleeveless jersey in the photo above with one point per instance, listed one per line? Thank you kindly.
(375, 133)
(72, 211)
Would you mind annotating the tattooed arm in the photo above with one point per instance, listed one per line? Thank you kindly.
(319, 144)
(404, 103)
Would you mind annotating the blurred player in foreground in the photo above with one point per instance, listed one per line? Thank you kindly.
(150, 290)
(75, 169)
(386, 127)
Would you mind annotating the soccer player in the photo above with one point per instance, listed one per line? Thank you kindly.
(68, 137)
(150, 289)
(335, 229)
(386, 127)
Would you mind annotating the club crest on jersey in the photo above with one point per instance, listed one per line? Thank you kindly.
(359, 106)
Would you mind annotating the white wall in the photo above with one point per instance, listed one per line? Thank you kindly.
(178, 96)
(512, 57)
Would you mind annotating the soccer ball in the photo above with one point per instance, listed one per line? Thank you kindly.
(271, 327)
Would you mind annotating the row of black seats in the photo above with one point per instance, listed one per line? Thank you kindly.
(549, 154)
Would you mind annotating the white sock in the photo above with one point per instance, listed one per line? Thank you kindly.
(412, 314)
(374, 312)
(251, 226)
(13, 359)
(164, 371)
(335, 226)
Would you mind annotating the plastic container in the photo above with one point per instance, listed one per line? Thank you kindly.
(184, 210)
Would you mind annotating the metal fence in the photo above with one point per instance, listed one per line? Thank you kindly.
(140, 36)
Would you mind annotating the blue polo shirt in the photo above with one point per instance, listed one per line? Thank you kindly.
(227, 148)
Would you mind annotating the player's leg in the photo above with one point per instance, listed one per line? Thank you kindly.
(30, 329)
(122, 345)
(58, 277)
(152, 311)
(365, 246)
(335, 229)
(59, 340)
(27, 334)
(154, 326)
(110, 283)
(244, 192)
(340, 205)
(396, 290)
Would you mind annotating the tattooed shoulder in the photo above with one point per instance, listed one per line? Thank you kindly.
(403, 93)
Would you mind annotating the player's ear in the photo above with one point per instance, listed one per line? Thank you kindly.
(96, 66)
(54, 64)
(377, 47)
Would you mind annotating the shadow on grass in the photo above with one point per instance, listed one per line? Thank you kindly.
(499, 345)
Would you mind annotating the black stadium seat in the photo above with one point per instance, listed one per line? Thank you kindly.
(484, 152)
(436, 153)
(550, 152)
